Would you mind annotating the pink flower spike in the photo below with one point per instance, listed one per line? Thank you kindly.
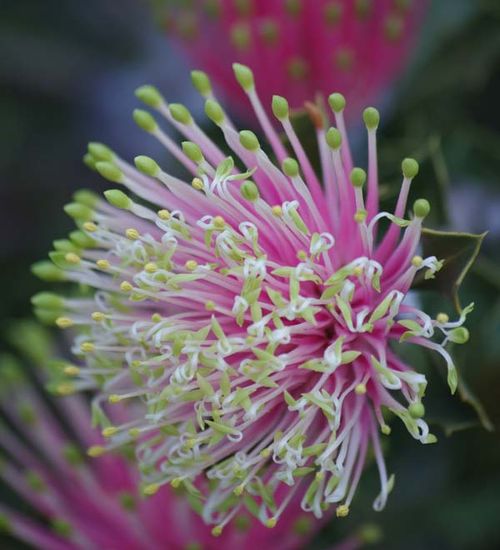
(250, 320)
(298, 48)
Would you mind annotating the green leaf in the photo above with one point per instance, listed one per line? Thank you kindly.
(459, 251)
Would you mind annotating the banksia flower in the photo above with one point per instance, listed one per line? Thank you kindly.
(251, 319)
(297, 48)
(72, 501)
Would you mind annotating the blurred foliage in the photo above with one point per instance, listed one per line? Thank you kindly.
(444, 112)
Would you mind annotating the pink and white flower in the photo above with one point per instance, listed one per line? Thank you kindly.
(76, 503)
(299, 48)
(251, 320)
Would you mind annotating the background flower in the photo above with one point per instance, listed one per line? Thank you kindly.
(299, 48)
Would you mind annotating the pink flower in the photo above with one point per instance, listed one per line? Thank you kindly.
(250, 320)
(98, 504)
(298, 48)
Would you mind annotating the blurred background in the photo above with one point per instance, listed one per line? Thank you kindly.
(67, 74)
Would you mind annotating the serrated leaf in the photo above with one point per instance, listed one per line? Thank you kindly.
(459, 251)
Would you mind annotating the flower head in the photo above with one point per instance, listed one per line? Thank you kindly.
(251, 320)
(298, 48)
(82, 502)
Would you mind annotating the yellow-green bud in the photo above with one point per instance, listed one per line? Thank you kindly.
(118, 198)
(147, 165)
(337, 102)
(244, 76)
(145, 120)
(109, 171)
(409, 168)
(150, 96)
(249, 140)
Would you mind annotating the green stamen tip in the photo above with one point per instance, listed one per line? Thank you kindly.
(100, 151)
(118, 198)
(48, 300)
(244, 76)
(214, 111)
(421, 208)
(249, 191)
(334, 138)
(371, 117)
(337, 102)
(48, 272)
(358, 177)
(192, 151)
(249, 140)
(79, 212)
(81, 239)
(109, 171)
(459, 335)
(86, 197)
(201, 82)
(290, 167)
(180, 113)
(416, 410)
(145, 120)
(64, 245)
(147, 165)
(150, 96)
(280, 107)
(410, 168)
(89, 161)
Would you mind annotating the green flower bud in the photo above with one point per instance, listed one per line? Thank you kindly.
(48, 300)
(145, 120)
(118, 198)
(244, 76)
(86, 197)
(180, 113)
(337, 102)
(109, 171)
(79, 212)
(459, 335)
(410, 168)
(192, 151)
(201, 82)
(358, 177)
(249, 140)
(249, 191)
(48, 272)
(334, 138)
(421, 208)
(150, 96)
(371, 117)
(290, 167)
(100, 151)
(280, 107)
(214, 111)
(147, 166)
